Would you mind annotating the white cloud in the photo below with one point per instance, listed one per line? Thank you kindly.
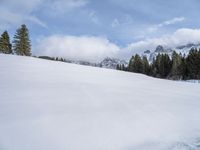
(180, 37)
(166, 23)
(55, 7)
(115, 23)
(9, 18)
(20, 6)
(15, 12)
(89, 48)
(86, 48)
(173, 21)
(94, 17)
(36, 20)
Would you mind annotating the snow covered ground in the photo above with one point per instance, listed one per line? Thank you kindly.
(47, 105)
(193, 81)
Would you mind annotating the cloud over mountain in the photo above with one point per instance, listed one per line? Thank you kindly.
(179, 37)
(86, 48)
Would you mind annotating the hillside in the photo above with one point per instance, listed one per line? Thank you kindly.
(47, 105)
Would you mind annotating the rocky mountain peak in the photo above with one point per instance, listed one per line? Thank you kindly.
(147, 52)
(159, 49)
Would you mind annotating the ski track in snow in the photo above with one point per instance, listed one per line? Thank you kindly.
(47, 105)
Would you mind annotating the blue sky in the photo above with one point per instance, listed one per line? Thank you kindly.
(119, 24)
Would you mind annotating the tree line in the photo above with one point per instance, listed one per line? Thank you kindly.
(176, 67)
(21, 44)
(54, 58)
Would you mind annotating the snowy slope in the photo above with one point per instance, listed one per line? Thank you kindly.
(47, 105)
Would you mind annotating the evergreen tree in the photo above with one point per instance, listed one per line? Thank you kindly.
(177, 66)
(162, 65)
(137, 64)
(5, 45)
(22, 43)
(183, 68)
(153, 68)
(146, 66)
(123, 67)
(130, 65)
(156, 65)
(193, 64)
(167, 65)
(180, 67)
(1, 45)
(118, 67)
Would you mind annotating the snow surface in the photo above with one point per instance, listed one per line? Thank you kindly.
(47, 105)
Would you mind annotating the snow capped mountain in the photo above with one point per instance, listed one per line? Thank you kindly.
(49, 105)
(188, 46)
(85, 63)
(110, 63)
(183, 49)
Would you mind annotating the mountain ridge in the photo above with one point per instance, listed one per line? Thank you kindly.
(160, 49)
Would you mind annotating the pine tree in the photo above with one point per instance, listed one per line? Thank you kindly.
(180, 67)
(162, 65)
(156, 65)
(22, 43)
(118, 67)
(193, 64)
(153, 68)
(5, 45)
(146, 66)
(167, 65)
(130, 65)
(183, 68)
(137, 64)
(1, 45)
(177, 66)
(123, 67)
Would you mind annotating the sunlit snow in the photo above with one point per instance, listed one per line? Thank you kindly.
(47, 105)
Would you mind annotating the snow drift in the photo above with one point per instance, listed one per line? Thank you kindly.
(47, 105)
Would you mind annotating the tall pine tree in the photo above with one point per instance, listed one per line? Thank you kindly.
(130, 65)
(136, 64)
(146, 66)
(5, 45)
(22, 43)
(177, 66)
(193, 64)
(162, 65)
